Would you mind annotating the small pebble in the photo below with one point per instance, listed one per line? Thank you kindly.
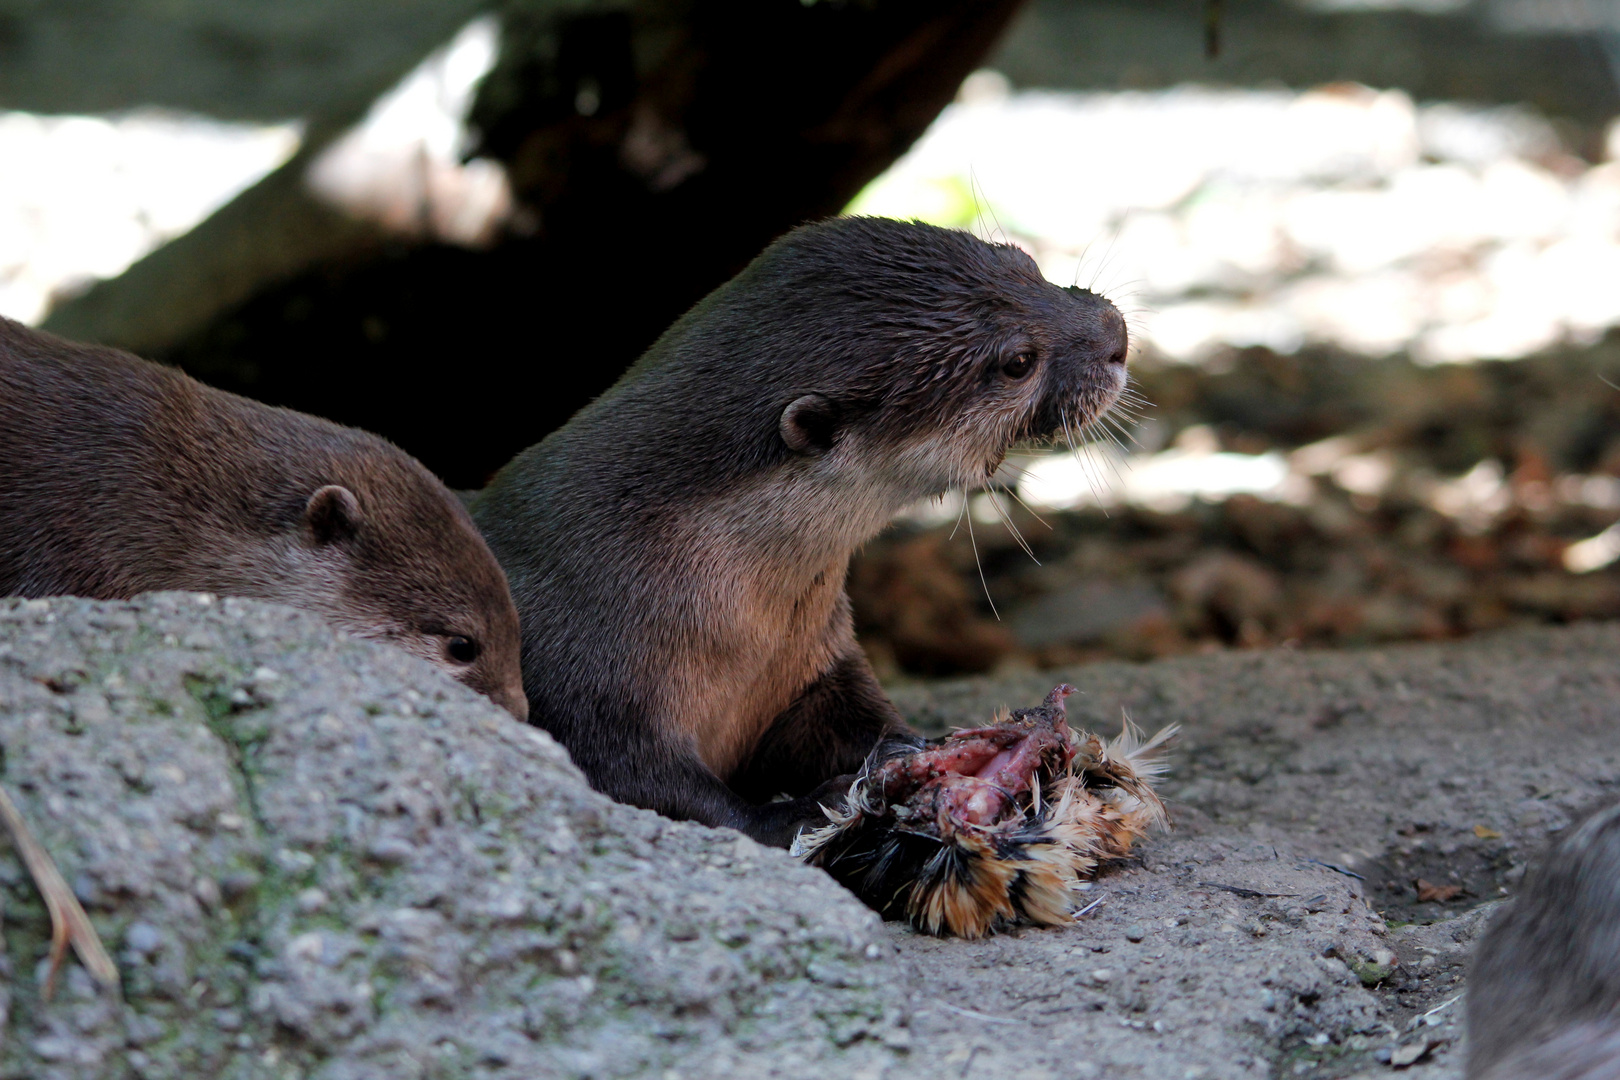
(1409, 1054)
(1134, 933)
(390, 850)
(142, 938)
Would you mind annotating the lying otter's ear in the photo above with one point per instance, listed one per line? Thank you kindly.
(808, 424)
(332, 515)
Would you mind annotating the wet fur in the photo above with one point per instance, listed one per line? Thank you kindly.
(1544, 991)
(679, 567)
(119, 476)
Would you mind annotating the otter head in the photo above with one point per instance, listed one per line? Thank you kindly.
(902, 359)
(401, 562)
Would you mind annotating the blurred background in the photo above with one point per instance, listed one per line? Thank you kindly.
(1369, 251)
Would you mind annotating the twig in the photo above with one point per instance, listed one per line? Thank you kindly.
(1335, 869)
(977, 1015)
(1446, 1004)
(1238, 890)
(1089, 908)
(69, 923)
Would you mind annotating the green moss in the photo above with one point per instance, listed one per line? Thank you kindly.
(213, 695)
(1369, 973)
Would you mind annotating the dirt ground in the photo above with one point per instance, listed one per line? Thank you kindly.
(1345, 823)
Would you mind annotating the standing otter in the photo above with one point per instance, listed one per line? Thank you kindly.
(1544, 992)
(118, 476)
(677, 550)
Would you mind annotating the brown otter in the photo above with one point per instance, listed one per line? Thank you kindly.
(119, 476)
(1544, 992)
(678, 549)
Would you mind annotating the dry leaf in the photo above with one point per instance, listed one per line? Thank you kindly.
(1442, 893)
(1486, 834)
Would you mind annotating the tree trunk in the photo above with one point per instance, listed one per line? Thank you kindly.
(655, 150)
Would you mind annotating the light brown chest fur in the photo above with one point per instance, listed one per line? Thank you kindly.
(759, 647)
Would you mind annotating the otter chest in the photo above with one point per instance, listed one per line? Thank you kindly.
(758, 651)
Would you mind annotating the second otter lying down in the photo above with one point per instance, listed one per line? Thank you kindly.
(119, 476)
(1544, 990)
(677, 551)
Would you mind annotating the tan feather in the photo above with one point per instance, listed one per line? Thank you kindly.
(1023, 868)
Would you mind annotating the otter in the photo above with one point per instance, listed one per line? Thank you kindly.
(1544, 992)
(119, 476)
(678, 549)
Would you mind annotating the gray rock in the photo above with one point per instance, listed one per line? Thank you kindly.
(315, 856)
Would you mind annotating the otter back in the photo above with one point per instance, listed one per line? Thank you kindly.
(118, 476)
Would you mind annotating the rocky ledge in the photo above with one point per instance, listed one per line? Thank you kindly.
(317, 857)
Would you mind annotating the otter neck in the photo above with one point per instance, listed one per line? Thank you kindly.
(806, 524)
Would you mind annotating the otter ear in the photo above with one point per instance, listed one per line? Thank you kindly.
(332, 515)
(808, 424)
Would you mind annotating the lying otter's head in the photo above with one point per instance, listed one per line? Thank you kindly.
(918, 354)
(400, 561)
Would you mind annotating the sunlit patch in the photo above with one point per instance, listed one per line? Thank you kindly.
(1594, 553)
(1194, 468)
(1339, 216)
(83, 197)
(401, 166)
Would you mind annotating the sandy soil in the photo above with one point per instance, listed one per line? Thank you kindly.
(1280, 929)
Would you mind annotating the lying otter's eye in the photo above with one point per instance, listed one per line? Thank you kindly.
(463, 650)
(1018, 365)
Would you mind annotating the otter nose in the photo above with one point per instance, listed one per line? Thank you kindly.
(1117, 340)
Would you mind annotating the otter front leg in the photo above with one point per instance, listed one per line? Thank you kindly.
(638, 763)
(826, 734)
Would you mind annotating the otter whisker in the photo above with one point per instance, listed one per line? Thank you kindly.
(1111, 418)
(1030, 509)
(1108, 256)
(1079, 263)
(985, 585)
(1006, 519)
(1088, 430)
(974, 188)
(1012, 489)
(1113, 440)
(1084, 462)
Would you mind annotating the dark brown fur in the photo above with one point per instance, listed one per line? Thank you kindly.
(678, 550)
(118, 476)
(1544, 992)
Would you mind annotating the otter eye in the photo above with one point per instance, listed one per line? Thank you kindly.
(463, 650)
(1018, 365)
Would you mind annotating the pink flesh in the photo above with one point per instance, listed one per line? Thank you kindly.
(969, 799)
(977, 775)
(997, 763)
